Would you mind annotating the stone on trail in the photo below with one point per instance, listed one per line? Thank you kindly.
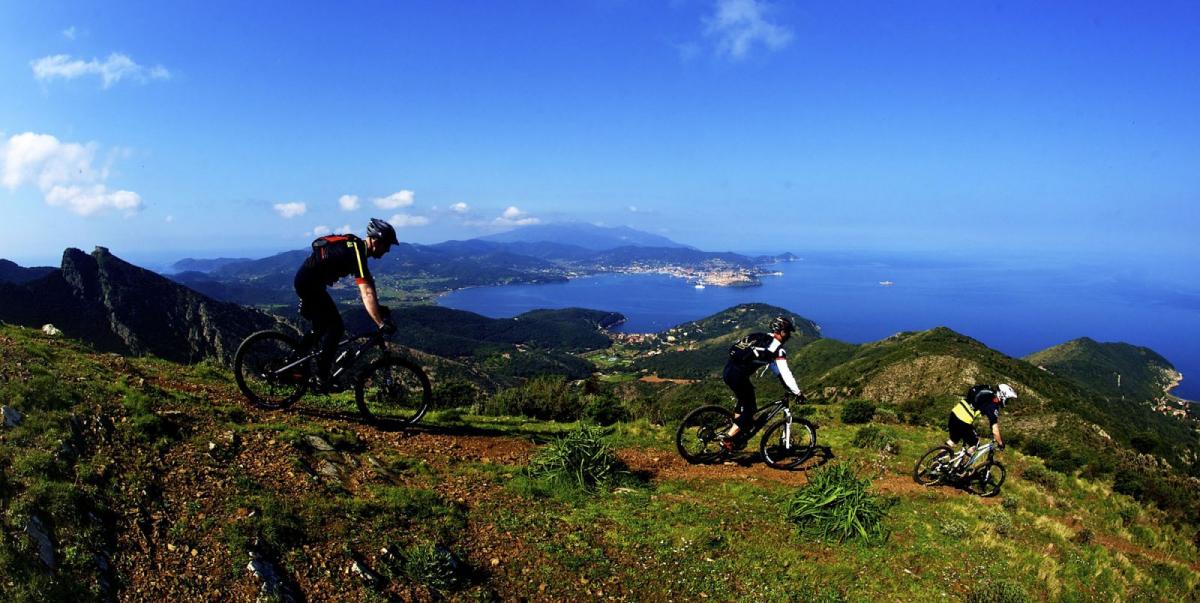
(51, 330)
(12, 417)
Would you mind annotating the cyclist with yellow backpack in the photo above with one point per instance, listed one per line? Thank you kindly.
(980, 401)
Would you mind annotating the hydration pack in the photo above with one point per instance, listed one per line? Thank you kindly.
(748, 350)
(974, 392)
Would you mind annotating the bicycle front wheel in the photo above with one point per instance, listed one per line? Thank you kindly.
(785, 445)
(394, 391)
(697, 436)
(256, 369)
(931, 468)
(986, 480)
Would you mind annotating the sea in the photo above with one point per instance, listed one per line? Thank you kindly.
(1017, 305)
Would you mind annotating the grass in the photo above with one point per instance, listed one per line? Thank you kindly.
(580, 460)
(712, 534)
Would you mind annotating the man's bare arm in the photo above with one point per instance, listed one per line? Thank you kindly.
(371, 303)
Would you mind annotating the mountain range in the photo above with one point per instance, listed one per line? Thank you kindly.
(533, 254)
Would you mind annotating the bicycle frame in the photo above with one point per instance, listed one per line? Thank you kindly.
(371, 340)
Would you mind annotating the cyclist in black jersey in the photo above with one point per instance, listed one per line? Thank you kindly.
(334, 257)
(745, 357)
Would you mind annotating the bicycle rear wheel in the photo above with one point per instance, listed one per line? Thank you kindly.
(986, 480)
(931, 468)
(393, 391)
(697, 436)
(785, 446)
(256, 367)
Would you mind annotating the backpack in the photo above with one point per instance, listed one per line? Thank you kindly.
(743, 351)
(974, 392)
(320, 243)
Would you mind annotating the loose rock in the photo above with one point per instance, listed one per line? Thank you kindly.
(318, 443)
(45, 548)
(12, 417)
(51, 330)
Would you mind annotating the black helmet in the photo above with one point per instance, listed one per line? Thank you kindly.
(383, 231)
(783, 324)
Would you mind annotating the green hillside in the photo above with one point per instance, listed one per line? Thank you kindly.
(1114, 370)
(699, 349)
(140, 479)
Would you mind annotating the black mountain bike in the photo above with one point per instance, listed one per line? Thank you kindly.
(785, 444)
(273, 373)
(978, 475)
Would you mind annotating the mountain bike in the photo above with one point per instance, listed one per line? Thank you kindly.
(941, 465)
(273, 373)
(785, 443)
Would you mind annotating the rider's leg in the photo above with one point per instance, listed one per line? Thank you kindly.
(739, 382)
(328, 328)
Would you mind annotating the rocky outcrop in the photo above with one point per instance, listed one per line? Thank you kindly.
(119, 307)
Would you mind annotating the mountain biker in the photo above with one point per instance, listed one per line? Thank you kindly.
(980, 400)
(745, 357)
(333, 257)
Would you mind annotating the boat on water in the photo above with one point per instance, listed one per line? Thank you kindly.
(886, 283)
(699, 285)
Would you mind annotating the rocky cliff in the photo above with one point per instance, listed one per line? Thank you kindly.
(119, 307)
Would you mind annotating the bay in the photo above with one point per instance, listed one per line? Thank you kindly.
(1016, 306)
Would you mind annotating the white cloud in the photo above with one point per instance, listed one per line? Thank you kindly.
(460, 208)
(515, 217)
(402, 198)
(112, 70)
(319, 231)
(406, 220)
(69, 33)
(348, 202)
(169, 219)
(291, 210)
(345, 228)
(63, 171)
(738, 25)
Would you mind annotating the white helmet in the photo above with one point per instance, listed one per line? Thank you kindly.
(1005, 392)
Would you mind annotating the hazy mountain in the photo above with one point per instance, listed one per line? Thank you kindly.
(204, 265)
(582, 234)
(10, 272)
(119, 307)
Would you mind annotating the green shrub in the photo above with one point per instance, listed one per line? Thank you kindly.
(580, 459)
(1064, 461)
(1128, 515)
(873, 437)
(548, 398)
(1042, 477)
(1083, 536)
(603, 409)
(997, 591)
(1129, 482)
(1010, 504)
(1145, 443)
(836, 506)
(857, 411)
(886, 416)
(429, 564)
(454, 393)
(1036, 446)
(1001, 522)
(954, 528)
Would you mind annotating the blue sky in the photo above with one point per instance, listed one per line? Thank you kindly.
(170, 129)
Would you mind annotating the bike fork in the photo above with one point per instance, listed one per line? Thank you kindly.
(787, 429)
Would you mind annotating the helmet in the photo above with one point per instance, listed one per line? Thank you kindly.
(383, 231)
(1005, 392)
(783, 324)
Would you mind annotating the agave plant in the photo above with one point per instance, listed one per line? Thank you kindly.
(836, 506)
(580, 458)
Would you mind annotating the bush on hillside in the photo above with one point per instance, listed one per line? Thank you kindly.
(603, 409)
(1042, 477)
(580, 459)
(836, 506)
(873, 437)
(1145, 443)
(454, 393)
(549, 398)
(998, 591)
(857, 411)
